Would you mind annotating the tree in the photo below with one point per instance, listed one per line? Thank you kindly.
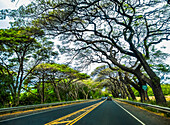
(60, 76)
(20, 54)
(87, 87)
(4, 91)
(113, 80)
(103, 30)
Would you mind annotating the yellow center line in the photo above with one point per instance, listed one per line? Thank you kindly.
(61, 122)
(69, 115)
(85, 110)
(82, 115)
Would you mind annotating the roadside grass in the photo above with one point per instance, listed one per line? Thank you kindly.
(153, 102)
(153, 98)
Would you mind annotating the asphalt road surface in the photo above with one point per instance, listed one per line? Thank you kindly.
(101, 112)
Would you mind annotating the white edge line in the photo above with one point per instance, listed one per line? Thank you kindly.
(130, 114)
(66, 106)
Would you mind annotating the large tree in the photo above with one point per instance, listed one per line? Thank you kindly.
(105, 31)
(20, 53)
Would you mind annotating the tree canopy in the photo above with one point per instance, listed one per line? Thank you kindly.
(20, 52)
(119, 32)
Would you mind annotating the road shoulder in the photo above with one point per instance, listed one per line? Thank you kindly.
(35, 111)
(142, 114)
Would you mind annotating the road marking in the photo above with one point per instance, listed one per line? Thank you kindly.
(61, 122)
(82, 115)
(81, 112)
(67, 116)
(51, 109)
(130, 113)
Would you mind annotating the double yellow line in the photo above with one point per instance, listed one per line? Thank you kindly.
(69, 118)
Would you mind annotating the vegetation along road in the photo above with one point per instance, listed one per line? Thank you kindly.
(63, 50)
(101, 112)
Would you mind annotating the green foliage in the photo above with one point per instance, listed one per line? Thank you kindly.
(139, 16)
(149, 91)
(22, 49)
(19, 35)
(163, 67)
(165, 90)
(29, 99)
(4, 95)
(62, 69)
(5, 80)
(135, 92)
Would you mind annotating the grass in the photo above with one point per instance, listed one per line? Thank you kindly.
(153, 101)
(153, 98)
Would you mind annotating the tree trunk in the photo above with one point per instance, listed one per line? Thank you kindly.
(14, 98)
(114, 93)
(126, 83)
(131, 92)
(125, 91)
(116, 90)
(18, 95)
(43, 88)
(76, 95)
(86, 96)
(121, 91)
(160, 99)
(157, 90)
(57, 91)
(39, 89)
(142, 95)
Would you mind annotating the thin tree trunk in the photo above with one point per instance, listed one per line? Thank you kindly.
(86, 96)
(43, 88)
(131, 92)
(116, 90)
(57, 91)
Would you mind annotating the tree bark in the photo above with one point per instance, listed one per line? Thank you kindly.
(125, 91)
(155, 84)
(43, 88)
(57, 91)
(127, 85)
(131, 92)
(158, 94)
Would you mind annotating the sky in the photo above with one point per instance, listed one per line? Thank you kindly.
(7, 4)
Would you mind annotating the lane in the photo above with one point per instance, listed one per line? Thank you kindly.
(46, 116)
(75, 116)
(99, 112)
(109, 113)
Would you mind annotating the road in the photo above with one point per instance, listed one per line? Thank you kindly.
(101, 112)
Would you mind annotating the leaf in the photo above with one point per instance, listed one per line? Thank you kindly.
(139, 16)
